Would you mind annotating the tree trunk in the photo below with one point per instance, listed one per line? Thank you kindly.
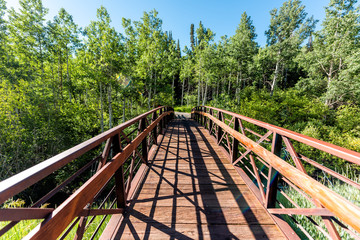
(101, 110)
(60, 72)
(202, 89)
(275, 78)
(228, 92)
(205, 94)
(68, 75)
(198, 99)
(110, 107)
(124, 107)
(237, 88)
(155, 85)
(149, 98)
(182, 92)
(188, 91)
(41, 59)
(329, 78)
(131, 106)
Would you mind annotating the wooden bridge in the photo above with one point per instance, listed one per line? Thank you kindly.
(216, 175)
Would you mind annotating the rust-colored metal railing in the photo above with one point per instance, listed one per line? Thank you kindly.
(121, 156)
(270, 160)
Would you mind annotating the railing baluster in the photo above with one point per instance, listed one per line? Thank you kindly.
(235, 145)
(153, 118)
(273, 177)
(105, 153)
(219, 130)
(290, 148)
(119, 177)
(210, 121)
(203, 117)
(257, 176)
(327, 220)
(81, 227)
(163, 122)
(160, 123)
(144, 142)
(206, 116)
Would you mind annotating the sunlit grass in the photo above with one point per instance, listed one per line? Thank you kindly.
(21, 229)
(347, 191)
(186, 109)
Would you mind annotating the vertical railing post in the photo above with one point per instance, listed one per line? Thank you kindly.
(163, 122)
(160, 123)
(202, 117)
(210, 121)
(197, 114)
(154, 131)
(219, 130)
(205, 118)
(273, 177)
(144, 141)
(168, 116)
(119, 176)
(235, 146)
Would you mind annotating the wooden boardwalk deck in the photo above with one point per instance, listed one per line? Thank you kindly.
(191, 191)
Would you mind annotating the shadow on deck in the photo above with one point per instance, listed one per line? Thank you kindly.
(191, 191)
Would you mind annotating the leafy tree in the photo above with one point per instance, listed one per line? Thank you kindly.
(63, 41)
(330, 60)
(243, 49)
(192, 37)
(3, 39)
(288, 28)
(104, 49)
(204, 37)
(28, 35)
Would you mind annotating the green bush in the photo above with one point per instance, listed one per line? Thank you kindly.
(183, 109)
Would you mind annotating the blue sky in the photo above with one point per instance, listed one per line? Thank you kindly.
(222, 17)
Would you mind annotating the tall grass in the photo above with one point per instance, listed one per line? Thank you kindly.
(21, 229)
(347, 191)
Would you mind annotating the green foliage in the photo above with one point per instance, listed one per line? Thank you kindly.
(329, 59)
(337, 186)
(22, 228)
(186, 109)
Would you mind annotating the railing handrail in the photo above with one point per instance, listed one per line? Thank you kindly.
(297, 177)
(19, 182)
(63, 215)
(346, 154)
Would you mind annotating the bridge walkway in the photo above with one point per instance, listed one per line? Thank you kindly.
(191, 191)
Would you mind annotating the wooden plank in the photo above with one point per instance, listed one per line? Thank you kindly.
(186, 164)
(69, 209)
(191, 197)
(188, 215)
(197, 180)
(222, 198)
(342, 208)
(195, 231)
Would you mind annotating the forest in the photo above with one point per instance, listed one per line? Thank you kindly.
(61, 84)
